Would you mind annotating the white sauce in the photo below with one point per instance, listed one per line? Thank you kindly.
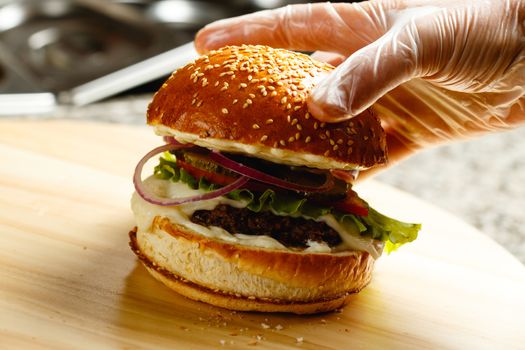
(145, 212)
(264, 152)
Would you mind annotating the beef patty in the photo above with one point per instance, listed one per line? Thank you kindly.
(289, 231)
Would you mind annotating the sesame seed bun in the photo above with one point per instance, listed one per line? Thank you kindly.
(249, 278)
(252, 100)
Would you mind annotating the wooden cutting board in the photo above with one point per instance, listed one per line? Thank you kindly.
(69, 281)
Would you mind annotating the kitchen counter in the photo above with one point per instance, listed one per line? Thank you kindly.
(481, 181)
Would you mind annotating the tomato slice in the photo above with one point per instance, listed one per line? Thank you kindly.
(212, 177)
(352, 204)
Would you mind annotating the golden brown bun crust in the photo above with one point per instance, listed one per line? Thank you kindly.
(303, 283)
(256, 95)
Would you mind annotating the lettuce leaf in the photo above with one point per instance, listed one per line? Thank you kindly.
(375, 226)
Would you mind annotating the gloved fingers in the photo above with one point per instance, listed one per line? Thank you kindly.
(340, 28)
(362, 79)
(376, 69)
(332, 58)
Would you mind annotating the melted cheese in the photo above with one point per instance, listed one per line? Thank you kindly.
(145, 212)
(268, 153)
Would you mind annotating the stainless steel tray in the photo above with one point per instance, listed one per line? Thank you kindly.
(59, 44)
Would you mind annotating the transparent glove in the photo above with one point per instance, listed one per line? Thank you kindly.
(434, 71)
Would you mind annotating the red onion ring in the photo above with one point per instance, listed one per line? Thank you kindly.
(348, 176)
(154, 199)
(173, 141)
(266, 178)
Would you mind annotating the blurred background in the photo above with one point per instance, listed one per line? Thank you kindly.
(101, 60)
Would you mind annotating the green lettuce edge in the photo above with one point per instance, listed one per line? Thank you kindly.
(377, 226)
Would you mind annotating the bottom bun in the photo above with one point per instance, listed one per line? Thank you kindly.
(245, 278)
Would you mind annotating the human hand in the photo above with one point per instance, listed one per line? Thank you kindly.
(434, 71)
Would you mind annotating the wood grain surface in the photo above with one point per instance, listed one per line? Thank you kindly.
(69, 281)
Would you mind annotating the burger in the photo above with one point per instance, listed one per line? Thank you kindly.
(250, 205)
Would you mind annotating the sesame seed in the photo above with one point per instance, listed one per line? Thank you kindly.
(269, 121)
(307, 115)
(327, 153)
(340, 141)
(316, 125)
(349, 150)
(323, 124)
(282, 142)
(245, 105)
(291, 139)
(296, 108)
(224, 111)
(297, 135)
(264, 93)
(332, 142)
(224, 88)
(299, 127)
(308, 139)
(248, 101)
(349, 142)
(271, 88)
(264, 138)
(250, 78)
(274, 93)
(193, 101)
(283, 100)
(288, 106)
(256, 126)
(365, 138)
(322, 136)
(288, 118)
(199, 103)
(235, 101)
(335, 148)
(251, 95)
(294, 121)
(327, 132)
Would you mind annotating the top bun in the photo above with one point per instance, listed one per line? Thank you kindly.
(252, 100)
